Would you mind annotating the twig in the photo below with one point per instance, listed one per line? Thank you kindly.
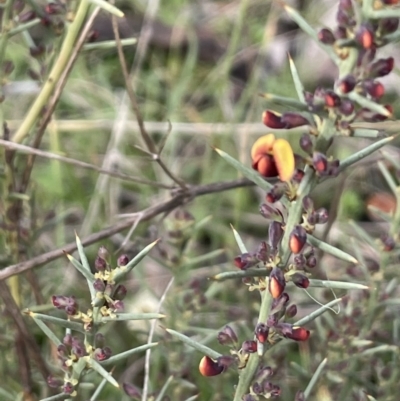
(132, 97)
(78, 163)
(150, 339)
(179, 198)
(14, 313)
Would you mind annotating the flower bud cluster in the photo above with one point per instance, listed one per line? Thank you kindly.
(109, 296)
(69, 352)
(367, 36)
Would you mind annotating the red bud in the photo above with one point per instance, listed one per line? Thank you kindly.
(381, 67)
(331, 99)
(272, 120)
(261, 332)
(299, 334)
(326, 36)
(347, 83)
(297, 239)
(276, 283)
(300, 280)
(320, 163)
(208, 367)
(365, 37)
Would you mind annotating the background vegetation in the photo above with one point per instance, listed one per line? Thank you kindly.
(198, 76)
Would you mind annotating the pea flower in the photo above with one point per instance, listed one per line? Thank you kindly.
(273, 157)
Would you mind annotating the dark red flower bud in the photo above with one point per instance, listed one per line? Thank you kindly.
(293, 120)
(312, 219)
(267, 211)
(275, 233)
(68, 388)
(245, 261)
(261, 332)
(306, 143)
(344, 18)
(227, 336)
(291, 311)
(389, 25)
(300, 280)
(276, 193)
(391, 2)
(326, 36)
(120, 293)
(257, 388)
(298, 175)
(298, 334)
(320, 163)
(365, 37)
(118, 306)
(132, 391)
(341, 32)
(71, 310)
(262, 253)
(276, 282)
(374, 88)
(388, 242)
(59, 301)
(272, 120)
(381, 67)
(249, 346)
(311, 262)
(208, 367)
(299, 261)
(331, 99)
(78, 349)
(263, 372)
(100, 264)
(123, 260)
(346, 107)
(347, 83)
(297, 239)
(322, 215)
(101, 354)
(279, 303)
(271, 390)
(99, 285)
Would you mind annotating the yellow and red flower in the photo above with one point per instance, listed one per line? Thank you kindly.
(273, 157)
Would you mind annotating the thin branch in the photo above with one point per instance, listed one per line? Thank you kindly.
(56, 96)
(149, 340)
(179, 198)
(132, 97)
(78, 163)
(13, 311)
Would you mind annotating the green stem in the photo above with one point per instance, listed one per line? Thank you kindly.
(327, 130)
(252, 364)
(54, 76)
